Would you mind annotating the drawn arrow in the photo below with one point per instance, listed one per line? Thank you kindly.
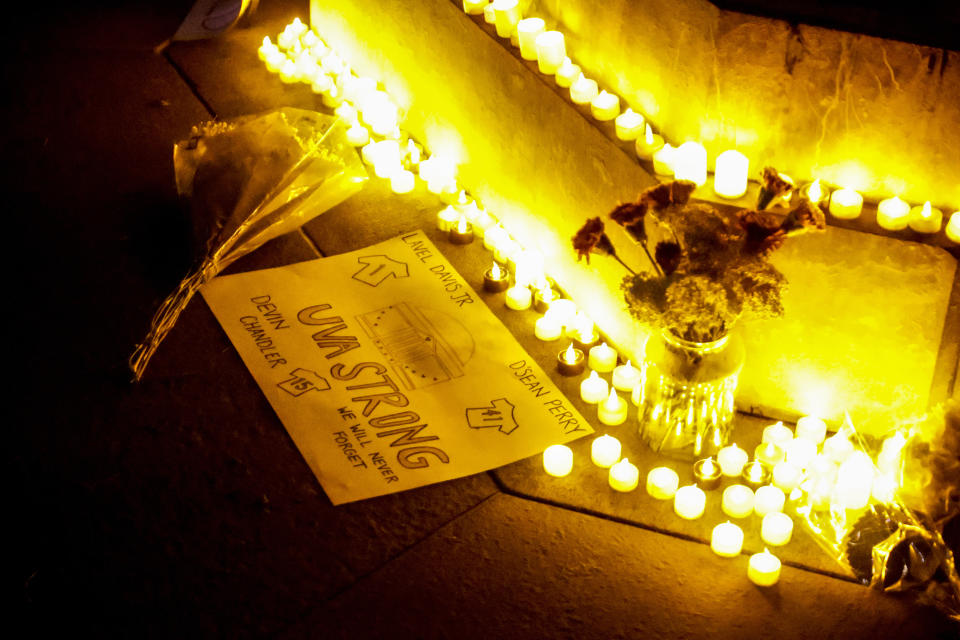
(376, 269)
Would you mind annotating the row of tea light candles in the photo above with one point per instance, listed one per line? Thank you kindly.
(830, 471)
(689, 160)
(301, 56)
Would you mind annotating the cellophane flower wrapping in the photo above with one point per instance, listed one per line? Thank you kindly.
(890, 535)
(249, 180)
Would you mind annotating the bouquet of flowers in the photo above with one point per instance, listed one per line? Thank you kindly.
(708, 266)
(901, 533)
(250, 180)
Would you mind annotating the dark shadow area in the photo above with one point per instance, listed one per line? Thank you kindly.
(934, 23)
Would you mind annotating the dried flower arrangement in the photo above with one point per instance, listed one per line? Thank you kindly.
(708, 266)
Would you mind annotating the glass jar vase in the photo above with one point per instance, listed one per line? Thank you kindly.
(686, 399)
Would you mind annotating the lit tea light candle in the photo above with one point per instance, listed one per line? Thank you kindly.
(571, 362)
(583, 333)
(689, 502)
(726, 540)
(854, 481)
(707, 473)
(755, 474)
(495, 237)
(567, 74)
(801, 452)
(548, 329)
(732, 459)
(504, 251)
(811, 428)
(558, 460)
(605, 451)
(624, 476)
(447, 218)
(496, 279)
(630, 125)
(925, 219)
(265, 48)
(506, 16)
(764, 569)
(893, 214)
(814, 192)
(518, 297)
(662, 483)
(489, 14)
(626, 377)
(648, 144)
(542, 297)
(462, 233)
(288, 72)
(787, 476)
(769, 454)
(768, 499)
(583, 90)
(483, 222)
(776, 528)
(737, 501)
(527, 31)
(565, 310)
(275, 59)
(890, 452)
(778, 434)
(613, 410)
(551, 51)
(593, 389)
(884, 488)
(953, 227)
(475, 7)
(663, 160)
(690, 163)
(731, 172)
(404, 181)
(837, 447)
(358, 135)
(603, 358)
(845, 204)
(606, 106)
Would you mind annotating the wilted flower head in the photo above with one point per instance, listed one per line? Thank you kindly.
(668, 256)
(772, 185)
(590, 238)
(807, 216)
(631, 216)
(763, 232)
(661, 196)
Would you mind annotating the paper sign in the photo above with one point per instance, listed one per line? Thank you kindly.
(387, 369)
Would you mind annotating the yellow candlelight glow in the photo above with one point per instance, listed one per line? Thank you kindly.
(558, 460)
(570, 355)
(730, 176)
(462, 225)
(709, 467)
(925, 219)
(815, 192)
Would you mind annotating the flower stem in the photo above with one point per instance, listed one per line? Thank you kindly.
(652, 261)
(624, 264)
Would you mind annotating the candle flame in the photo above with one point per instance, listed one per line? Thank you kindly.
(815, 192)
(570, 355)
(462, 225)
(594, 376)
(708, 468)
(648, 135)
(613, 400)
(496, 273)
(756, 472)
(926, 212)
